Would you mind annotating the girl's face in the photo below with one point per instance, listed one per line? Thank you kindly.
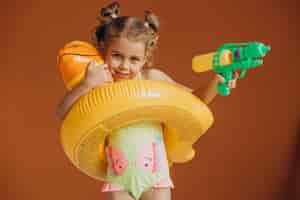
(125, 58)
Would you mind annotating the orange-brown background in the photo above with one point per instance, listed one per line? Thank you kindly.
(249, 153)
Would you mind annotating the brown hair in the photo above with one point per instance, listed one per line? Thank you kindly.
(112, 26)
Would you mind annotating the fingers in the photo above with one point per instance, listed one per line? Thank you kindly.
(97, 74)
(91, 65)
(220, 78)
(236, 75)
(231, 83)
(94, 65)
(94, 68)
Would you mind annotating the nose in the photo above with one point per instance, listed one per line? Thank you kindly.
(125, 65)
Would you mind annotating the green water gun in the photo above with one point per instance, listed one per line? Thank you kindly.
(244, 56)
(241, 57)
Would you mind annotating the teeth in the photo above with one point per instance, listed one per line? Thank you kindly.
(123, 73)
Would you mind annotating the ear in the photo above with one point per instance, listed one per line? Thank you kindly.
(145, 60)
(153, 41)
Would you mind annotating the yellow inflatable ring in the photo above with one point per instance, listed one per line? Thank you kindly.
(94, 116)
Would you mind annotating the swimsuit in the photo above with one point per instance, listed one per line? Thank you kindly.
(137, 159)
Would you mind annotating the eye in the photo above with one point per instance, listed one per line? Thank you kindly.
(116, 56)
(135, 60)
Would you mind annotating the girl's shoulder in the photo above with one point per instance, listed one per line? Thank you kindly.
(153, 74)
(156, 74)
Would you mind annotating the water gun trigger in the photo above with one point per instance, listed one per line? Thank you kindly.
(241, 74)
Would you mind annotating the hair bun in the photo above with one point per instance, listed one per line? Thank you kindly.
(108, 13)
(152, 20)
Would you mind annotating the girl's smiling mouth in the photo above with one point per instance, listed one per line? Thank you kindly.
(123, 75)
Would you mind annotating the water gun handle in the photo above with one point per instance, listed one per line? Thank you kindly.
(223, 88)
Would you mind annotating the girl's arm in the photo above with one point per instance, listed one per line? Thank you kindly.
(210, 92)
(96, 74)
(205, 94)
(69, 99)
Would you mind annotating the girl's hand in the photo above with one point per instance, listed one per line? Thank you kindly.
(97, 74)
(231, 83)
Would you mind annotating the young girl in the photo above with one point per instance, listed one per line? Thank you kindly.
(127, 44)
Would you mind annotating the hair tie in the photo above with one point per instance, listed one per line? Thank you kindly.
(146, 24)
(114, 15)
